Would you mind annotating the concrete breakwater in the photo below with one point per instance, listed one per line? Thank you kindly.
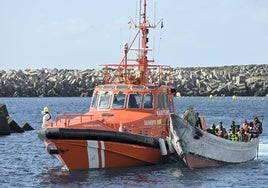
(9, 125)
(247, 80)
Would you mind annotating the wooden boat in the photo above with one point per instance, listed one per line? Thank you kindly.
(198, 148)
(128, 120)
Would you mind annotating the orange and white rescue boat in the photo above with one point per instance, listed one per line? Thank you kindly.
(128, 121)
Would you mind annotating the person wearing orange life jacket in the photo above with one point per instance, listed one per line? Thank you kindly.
(47, 118)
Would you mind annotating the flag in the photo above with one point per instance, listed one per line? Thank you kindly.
(130, 24)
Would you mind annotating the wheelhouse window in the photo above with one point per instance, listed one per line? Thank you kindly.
(105, 100)
(159, 101)
(95, 99)
(119, 100)
(165, 100)
(162, 100)
(134, 100)
(148, 101)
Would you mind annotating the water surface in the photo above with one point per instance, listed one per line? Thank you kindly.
(25, 162)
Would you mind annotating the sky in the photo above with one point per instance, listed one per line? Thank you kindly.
(82, 34)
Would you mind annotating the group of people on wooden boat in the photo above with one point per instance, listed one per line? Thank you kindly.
(244, 133)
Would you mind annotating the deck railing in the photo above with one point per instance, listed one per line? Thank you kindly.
(67, 118)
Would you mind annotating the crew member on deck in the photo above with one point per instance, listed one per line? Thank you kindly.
(198, 122)
(47, 118)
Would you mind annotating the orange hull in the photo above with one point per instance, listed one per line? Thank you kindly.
(85, 154)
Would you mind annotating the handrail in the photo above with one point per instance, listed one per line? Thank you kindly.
(149, 130)
(68, 117)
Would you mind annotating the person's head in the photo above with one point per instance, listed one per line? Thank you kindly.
(45, 110)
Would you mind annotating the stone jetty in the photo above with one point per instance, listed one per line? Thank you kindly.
(9, 125)
(246, 80)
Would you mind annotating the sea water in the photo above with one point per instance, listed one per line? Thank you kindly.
(24, 162)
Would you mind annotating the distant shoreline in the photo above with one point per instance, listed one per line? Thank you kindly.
(242, 80)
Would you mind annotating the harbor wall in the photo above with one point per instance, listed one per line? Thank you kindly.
(247, 80)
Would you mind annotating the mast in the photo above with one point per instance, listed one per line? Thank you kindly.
(143, 60)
